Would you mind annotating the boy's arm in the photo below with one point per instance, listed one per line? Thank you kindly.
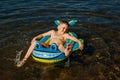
(44, 34)
(76, 40)
(41, 35)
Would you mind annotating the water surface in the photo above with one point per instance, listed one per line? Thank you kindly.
(98, 24)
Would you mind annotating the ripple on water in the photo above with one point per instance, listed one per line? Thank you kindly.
(98, 24)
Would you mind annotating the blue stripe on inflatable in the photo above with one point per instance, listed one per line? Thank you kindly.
(45, 38)
(75, 46)
(61, 56)
(46, 54)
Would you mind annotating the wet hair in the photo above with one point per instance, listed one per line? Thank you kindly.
(64, 22)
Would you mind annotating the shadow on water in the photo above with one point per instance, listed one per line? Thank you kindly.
(39, 71)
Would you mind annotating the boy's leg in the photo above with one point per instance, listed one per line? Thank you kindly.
(31, 48)
(66, 50)
(44, 44)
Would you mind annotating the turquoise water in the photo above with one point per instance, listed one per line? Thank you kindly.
(98, 24)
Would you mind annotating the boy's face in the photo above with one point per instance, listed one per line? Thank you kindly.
(62, 28)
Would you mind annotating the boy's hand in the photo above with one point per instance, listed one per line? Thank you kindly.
(21, 63)
(33, 40)
(81, 46)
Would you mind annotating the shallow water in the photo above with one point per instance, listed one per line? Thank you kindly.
(98, 24)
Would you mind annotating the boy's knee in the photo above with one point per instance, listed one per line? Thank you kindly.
(61, 48)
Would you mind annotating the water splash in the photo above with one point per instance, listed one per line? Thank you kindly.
(18, 56)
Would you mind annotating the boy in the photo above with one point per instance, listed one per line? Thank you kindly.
(58, 38)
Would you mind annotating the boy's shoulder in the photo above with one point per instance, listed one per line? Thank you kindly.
(52, 31)
(66, 34)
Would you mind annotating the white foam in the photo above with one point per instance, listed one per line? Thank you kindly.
(18, 56)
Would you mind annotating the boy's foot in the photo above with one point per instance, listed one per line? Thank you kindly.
(44, 45)
(21, 63)
(68, 49)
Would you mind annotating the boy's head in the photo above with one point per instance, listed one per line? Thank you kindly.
(63, 26)
(64, 22)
